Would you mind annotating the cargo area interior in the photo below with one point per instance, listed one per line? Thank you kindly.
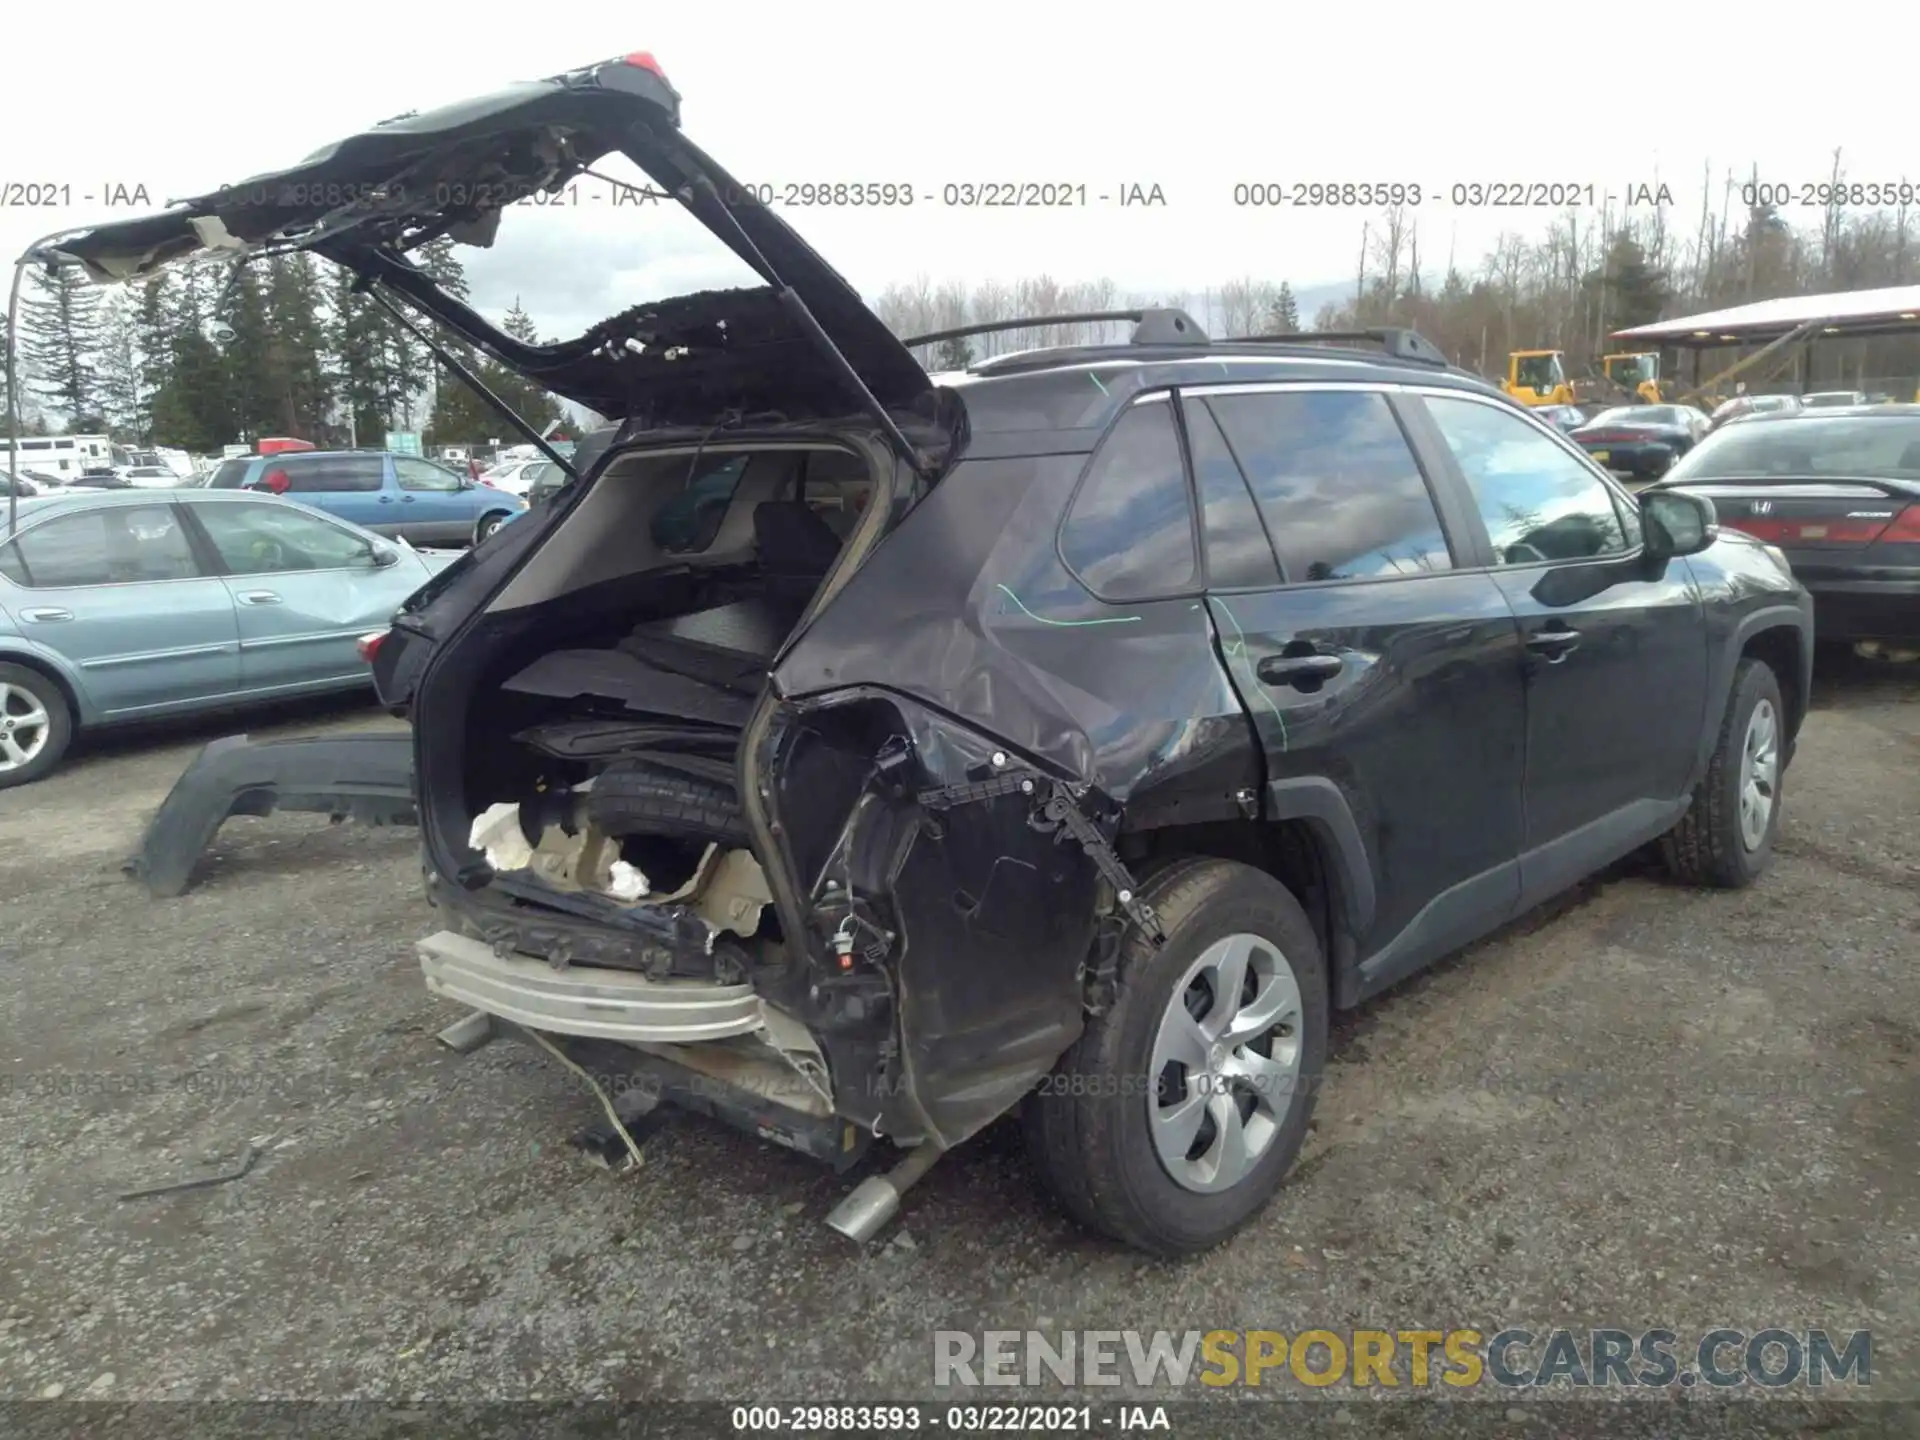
(626, 657)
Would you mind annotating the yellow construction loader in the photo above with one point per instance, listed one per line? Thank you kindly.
(1537, 377)
(1634, 376)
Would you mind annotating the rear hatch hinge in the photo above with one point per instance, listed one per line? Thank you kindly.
(1058, 811)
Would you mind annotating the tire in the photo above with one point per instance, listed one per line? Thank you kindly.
(24, 693)
(1088, 1126)
(1711, 846)
(488, 523)
(634, 798)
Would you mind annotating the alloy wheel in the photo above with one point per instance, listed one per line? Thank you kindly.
(1759, 774)
(1226, 1061)
(24, 726)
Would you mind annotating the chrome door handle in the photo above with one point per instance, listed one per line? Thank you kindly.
(1300, 671)
(46, 612)
(259, 597)
(1556, 644)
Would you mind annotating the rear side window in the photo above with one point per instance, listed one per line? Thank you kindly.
(1129, 533)
(230, 474)
(308, 474)
(1337, 484)
(689, 522)
(1238, 554)
(118, 545)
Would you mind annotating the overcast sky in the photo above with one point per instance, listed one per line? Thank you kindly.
(1194, 99)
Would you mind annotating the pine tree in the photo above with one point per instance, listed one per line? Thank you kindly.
(300, 397)
(1635, 292)
(190, 407)
(1284, 319)
(120, 395)
(60, 338)
(246, 358)
(153, 350)
(360, 362)
(531, 402)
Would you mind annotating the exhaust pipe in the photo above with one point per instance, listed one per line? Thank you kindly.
(876, 1199)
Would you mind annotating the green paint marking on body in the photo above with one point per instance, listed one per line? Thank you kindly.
(1239, 646)
(1112, 620)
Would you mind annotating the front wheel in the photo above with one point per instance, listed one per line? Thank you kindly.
(1725, 840)
(1175, 1116)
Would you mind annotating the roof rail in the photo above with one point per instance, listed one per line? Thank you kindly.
(1152, 326)
(1400, 343)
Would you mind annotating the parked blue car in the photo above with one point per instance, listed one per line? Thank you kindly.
(400, 496)
(120, 605)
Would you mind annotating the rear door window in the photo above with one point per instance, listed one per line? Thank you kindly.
(230, 473)
(1129, 534)
(312, 474)
(1336, 483)
(837, 487)
(1238, 553)
(424, 475)
(114, 545)
(690, 521)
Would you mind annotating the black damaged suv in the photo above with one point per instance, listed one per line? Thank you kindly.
(849, 756)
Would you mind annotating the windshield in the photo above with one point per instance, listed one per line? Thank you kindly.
(1538, 372)
(1850, 445)
(1630, 370)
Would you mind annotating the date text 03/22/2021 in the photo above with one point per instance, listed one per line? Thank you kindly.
(1329, 194)
(969, 1419)
(895, 195)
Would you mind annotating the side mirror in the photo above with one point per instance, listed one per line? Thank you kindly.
(1678, 522)
(383, 557)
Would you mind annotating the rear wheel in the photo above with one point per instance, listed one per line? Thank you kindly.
(488, 523)
(35, 725)
(1725, 840)
(1175, 1117)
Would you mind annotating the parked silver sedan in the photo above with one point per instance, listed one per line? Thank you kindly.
(119, 605)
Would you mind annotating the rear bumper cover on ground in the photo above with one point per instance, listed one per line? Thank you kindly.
(367, 778)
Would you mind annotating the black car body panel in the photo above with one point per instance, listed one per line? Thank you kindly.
(959, 631)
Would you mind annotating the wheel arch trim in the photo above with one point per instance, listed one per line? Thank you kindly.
(1322, 805)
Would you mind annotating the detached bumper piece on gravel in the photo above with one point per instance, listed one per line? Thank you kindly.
(366, 778)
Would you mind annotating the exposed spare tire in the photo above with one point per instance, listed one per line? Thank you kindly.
(634, 797)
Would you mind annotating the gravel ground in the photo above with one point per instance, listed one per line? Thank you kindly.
(1646, 1107)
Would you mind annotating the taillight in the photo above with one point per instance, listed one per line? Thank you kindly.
(1905, 529)
(369, 645)
(643, 60)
